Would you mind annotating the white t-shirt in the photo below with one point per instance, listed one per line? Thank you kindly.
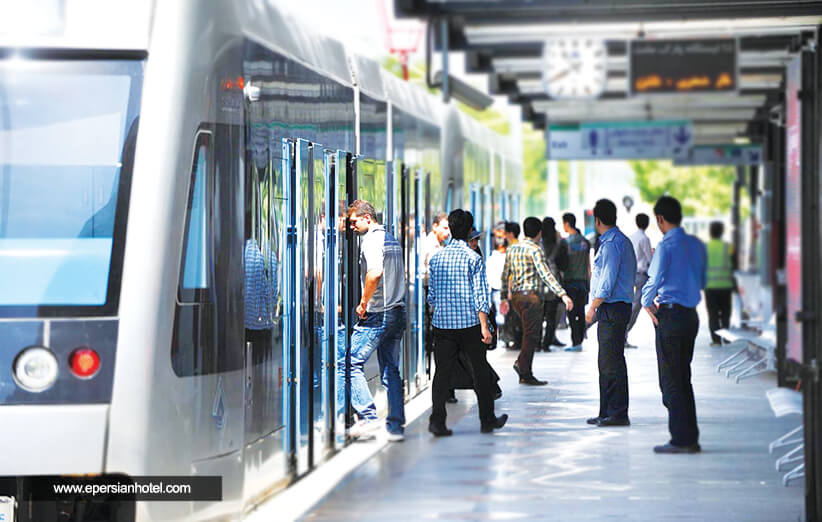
(642, 248)
(493, 269)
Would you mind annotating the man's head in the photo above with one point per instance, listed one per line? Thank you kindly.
(716, 230)
(569, 223)
(511, 231)
(668, 213)
(473, 238)
(604, 215)
(642, 221)
(361, 216)
(532, 227)
(440, 226)
(460, 223)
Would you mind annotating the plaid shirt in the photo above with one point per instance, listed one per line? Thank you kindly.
(457, 287)
(524, 267)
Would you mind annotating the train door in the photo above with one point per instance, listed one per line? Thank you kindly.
(421, 197)
(340, 284)
(476, 205)
(266, 310)
(487, 220)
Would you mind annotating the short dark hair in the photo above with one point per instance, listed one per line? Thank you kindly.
(670, 209)
(642, 221)
(532, 227)
(512, 228)
(717, 228)
(605, 210)
(460, 222)
(500, 226)
(363, 208)
(570, 219)
(439, 216)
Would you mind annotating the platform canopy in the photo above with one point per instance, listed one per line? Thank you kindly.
(505, 39)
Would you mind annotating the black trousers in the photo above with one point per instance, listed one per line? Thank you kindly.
(675, 338)
(549, 317)
(578, 292)
(718, 303)
(613, 372)
(447, 346)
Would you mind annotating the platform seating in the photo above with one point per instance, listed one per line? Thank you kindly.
(756, 355)
(783, 402)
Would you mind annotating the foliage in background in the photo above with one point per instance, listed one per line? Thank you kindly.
(534, 170)
(702, 191)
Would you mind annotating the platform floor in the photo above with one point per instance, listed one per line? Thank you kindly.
(547, 464)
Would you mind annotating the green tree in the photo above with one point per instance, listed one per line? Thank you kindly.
(702, 191)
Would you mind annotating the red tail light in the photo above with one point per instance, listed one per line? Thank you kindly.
(84, 362)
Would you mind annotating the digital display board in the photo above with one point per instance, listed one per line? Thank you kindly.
(672, 66)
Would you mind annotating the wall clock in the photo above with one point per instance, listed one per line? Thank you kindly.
(574, 67)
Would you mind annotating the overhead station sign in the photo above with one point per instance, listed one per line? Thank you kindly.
(672, 66)
(730, 154)
(622, 140)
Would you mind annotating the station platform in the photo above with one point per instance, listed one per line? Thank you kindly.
(548, 464)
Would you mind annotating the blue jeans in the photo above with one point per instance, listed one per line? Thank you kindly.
(381, 331)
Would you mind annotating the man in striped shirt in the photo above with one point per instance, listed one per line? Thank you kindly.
(524, 267)
(458, 292)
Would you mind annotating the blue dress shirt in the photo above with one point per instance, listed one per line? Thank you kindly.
(677, 271)
(612, 278)
(457, 287)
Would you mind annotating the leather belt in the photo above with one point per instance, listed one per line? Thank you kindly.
(673, 306)
(527, 292)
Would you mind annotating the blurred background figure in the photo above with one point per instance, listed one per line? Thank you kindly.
(720, 282)
(642, 249)
(556, 255)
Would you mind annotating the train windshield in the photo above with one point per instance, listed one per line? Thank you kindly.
(67, 133)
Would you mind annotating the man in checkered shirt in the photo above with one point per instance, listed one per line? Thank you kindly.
(524, 273)
(459, 293)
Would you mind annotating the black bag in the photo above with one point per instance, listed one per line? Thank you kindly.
(561, 255)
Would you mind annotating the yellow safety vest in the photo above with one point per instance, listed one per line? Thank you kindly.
(720, 272)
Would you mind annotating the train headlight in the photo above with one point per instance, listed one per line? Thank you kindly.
(35, 369)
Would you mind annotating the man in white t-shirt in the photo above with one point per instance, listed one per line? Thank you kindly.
(435, 240)
(642, 249)
(493, 270)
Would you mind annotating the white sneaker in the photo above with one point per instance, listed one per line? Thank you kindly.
(365, 427)
(394, 437)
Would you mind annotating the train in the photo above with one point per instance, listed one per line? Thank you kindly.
(177, 277)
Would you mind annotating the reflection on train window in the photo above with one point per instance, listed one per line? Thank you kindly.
(196, 257)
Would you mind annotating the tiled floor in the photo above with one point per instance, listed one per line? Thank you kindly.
(547, 464)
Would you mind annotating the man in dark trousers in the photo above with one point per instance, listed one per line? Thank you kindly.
(577, 277)
(612, 288)
(675, 279)
(524, 274)
(459, 293)
(720, 281)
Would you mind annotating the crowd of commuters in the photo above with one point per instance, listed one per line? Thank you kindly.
(517, 290)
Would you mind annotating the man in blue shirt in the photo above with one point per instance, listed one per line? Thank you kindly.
(612, 288)
(675, 279)
(459, 293)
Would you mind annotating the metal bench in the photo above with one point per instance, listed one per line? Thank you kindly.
(783, 402)
(758, 351)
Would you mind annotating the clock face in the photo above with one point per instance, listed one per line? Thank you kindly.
(574, 68)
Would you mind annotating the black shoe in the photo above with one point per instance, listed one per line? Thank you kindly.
(613, 421)
(516, 369)
(531, 380)
(498, 423)
(670, 448)
(439, 430)
(498, 395)
(557, 342)
(452, 399)
(594, 420)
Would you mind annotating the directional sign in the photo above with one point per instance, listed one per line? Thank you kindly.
(722, 155)
(621, 140)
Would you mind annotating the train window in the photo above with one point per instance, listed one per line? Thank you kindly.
(194, 280)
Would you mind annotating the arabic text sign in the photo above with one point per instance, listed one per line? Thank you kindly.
(722, 155)
(667, 66)
(622, 140)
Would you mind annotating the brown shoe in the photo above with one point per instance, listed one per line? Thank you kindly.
(532, 381)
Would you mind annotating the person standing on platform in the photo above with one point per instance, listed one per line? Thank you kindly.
(612, 288)
(556, 255)
(642, 249)
(675, 279)
(381, 323)
(512, 334)
(435, 240)
(493, 269)
(458, 292)
(577, 278)
(524, 273)
(720, 283)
